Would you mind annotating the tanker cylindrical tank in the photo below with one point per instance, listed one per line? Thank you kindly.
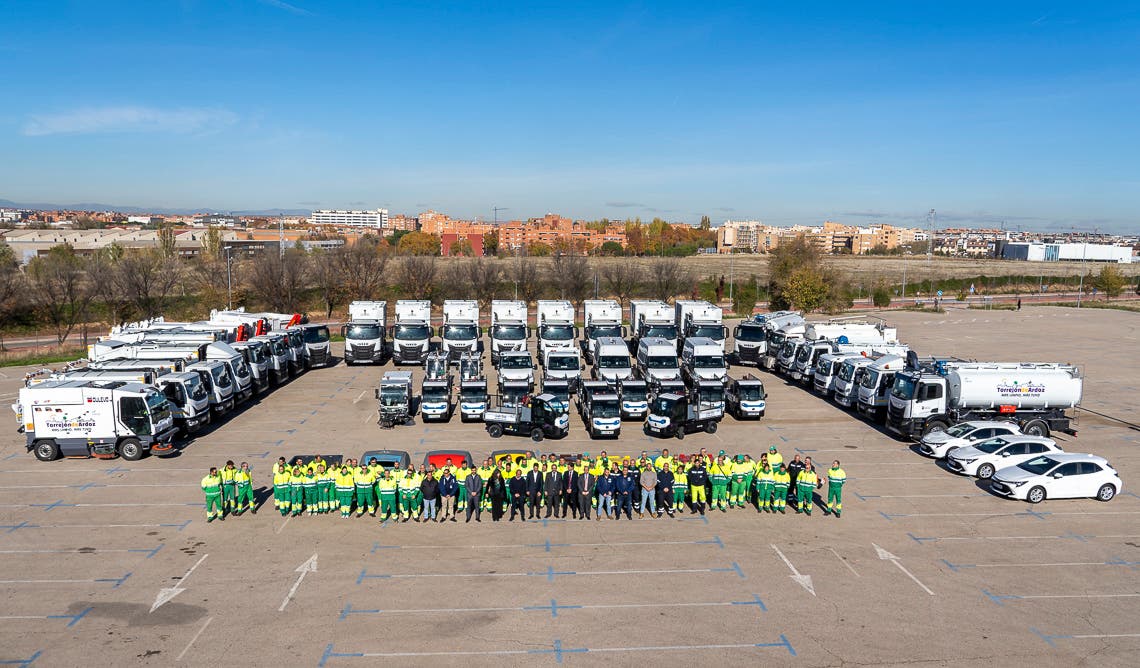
(1024, 386)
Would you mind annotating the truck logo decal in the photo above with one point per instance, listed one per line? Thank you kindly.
(1012, 389)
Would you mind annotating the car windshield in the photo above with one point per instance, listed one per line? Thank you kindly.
(562, 363)
(708, 361)
(460, 332)
(960, 430)
(316, 334)
(1038, 466)
(196, 388)
(904, 387)
(605, 408)
(508, 332)
(663, 331)
(750, 334)
(613, 362)
(663, 406)
(714, 332)
(991, 446)
(515, 362)
(363, 332)
(661, 362)
(412, 332)
(633, 394)
(558, 332)
(750, 393)
(597, 331)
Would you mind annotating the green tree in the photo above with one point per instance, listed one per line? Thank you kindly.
(491, 243)
(418, 243)
(11, 287)
(805, 289)
(706, 224)
(212, 244)
(1110, 281)
(539, 249)
(881, 296)
(462, 248)
(744, 297)
(611, 248)
(167, 242)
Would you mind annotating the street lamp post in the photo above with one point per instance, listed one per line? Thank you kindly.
(229, 279)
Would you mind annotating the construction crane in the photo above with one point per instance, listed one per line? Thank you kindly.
(496, 210)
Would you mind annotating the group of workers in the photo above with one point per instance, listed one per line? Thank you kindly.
(557, 485)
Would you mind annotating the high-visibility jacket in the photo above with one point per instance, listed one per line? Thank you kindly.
(462, 473)
(680, 479)
(775, 459)
(317, 461)
(782, 478)
(660, 462)
(310, 481)
(387, 485)
(835, 478)
(485, 472)
(806, 478)
(742, 469)
(410, 482)
(227, 475)
(345, 482)
(212, 484)
(242, 477)
(766, 476)
(281, 478)
(363, 478)
(720, 473)
(297, 480)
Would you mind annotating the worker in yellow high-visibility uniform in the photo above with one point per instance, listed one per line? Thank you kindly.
(281, 489)
(836, 477)
(765, 488)
(409, 488)
(774, 458)
(719, 475)
(485, 472)
(212, 486)
(387, 487)
(364, 479)
(345, 486)
(780, 482)
(806, 483)
(228, 486)
(738, 492)
(243, 495)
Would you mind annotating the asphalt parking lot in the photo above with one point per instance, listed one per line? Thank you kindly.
(924, 566)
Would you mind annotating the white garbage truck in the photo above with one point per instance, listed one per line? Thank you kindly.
(185, 390)
(602, 318)
(651, 318)
(92, 419)
(411, 335)
(875, 386)
(554, 320)
(699, 319)
(779, 328)
(1035, 396)
(365, 333)
(508, 327)
(460, 331)
(836, 337)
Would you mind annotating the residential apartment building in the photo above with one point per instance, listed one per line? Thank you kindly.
(377, 219)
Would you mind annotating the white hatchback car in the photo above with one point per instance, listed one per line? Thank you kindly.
(984, 458)
(1058, 476)
(938, 444)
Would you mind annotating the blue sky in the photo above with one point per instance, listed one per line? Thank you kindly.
(987, 112)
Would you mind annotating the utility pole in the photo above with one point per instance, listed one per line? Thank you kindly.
(229, 279)
(730, 275)
(281, 234)
(930, 249)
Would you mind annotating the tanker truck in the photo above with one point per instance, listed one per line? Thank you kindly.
(1032, 395)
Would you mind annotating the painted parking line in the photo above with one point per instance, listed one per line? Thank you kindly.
(555, 650)
(956, 568)
(22, 663)
(548, 546)
(554, 607)
(118, 582)
(92, 485)
(1041, 515)
(1080, 538)
(1050, 638)
(72, 619)
(9, 528)
(550, 574)
(1001, 599)
(149, 552)
(48, 507)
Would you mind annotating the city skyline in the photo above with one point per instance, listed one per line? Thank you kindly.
(1015, 114)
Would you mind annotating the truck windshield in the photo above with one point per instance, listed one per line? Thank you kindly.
(788, 350)
(750, 334)
(750, 393)
(460, 332)
(158, 407)
(904, 388)
(363, 332)
(240, 369)
(847, 371)
(221, 378)
(196, 388)
(558, 332)
(714, 332)
(435, 394)
(560, 393)
(257, 354)
(663, 331)
(562, 363)
(613, 362)
(661, 362)
(662, 406)
(708, 361)
(605, 408)
(633, 393)
(805, 354)
(393, 396)
(412, 332)
(316, 334)
(515, 362)
(597, 331)
(870, 380)
(777, 340)
(711, 395)
(508, 332)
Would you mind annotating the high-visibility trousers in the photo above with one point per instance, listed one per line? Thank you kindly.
(388, 504)
(244, 499)
(214, 506)
(344, 496)
(780, 495)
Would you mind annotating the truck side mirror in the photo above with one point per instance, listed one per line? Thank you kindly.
(624, 332)
(343, 329)
(736, 331)
(376, 391)
(576, 333)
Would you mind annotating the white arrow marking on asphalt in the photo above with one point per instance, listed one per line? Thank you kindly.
(887, 556)
(304, 569)
(802, 580)
(167, 594)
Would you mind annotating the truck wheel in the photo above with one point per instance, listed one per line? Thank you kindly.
(1036, 495)
(495, 430)
(986, 471)
(933, 426)
(1105, 493)
(130, 449)
(680, 433)
(710, 428)
(1035, 428)
(46, 450)
(536, 435)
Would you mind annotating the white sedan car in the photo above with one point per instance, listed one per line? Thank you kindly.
(983, 459)
(938, 444)
(1058, 476)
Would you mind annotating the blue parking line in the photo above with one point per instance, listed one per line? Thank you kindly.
(892, 516)
(280, 442)
(1077, 537)
(86, 486)
(48, 507)
(74, 618)
(1034, 513)
(329, 654)
(547, 545)
(118, 581)
(149, 553)
(558, 650)
(553, 608)
(1048, 638)
(546, 522)
(180, 526)
(802, 451)
(864, 497)
(365, 576)
(261, 455)
(998, 599)
(117, 469)
(755, 601)
(783, 643)
(919, 540)
(378, 546)
(16, 527)
(734, 568)
(348, 610)
(23, 663)
(715, 541)
(956, 567)
(550, 573)
(698, 518)
(13, 455)
(1120, 562)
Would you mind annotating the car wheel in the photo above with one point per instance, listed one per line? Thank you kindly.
(1106, 492)
(130, 449)
(46, 450)
(1036, 428)
(1036, 495)
(536, 435)
(986, 471)
(710, 428)
(934, 426)
(495, 430)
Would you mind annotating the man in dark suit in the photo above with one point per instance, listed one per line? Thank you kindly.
(517, 489)
(586, 482)
(553, 488)
(570, 492)
(534, 489)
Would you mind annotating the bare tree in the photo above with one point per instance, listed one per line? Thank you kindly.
(524, 274)
(278, 281)
(454, 283)
(570, 277)
(623, 278)
(208, 276)
(325, 272)
(147, 278)
(667, 278)
(362, 267)
(60, 288)
(415, 276)
(103, 272)
(484, 278)
(11, 287)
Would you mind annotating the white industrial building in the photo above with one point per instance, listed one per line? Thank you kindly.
(377, 219)
(1043, 252)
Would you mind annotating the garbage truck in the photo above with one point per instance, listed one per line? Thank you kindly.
(602, 318)
(652, 319)
(411, 335)
(699, 319)
(365, 333)
(1035, 396)
(875, 386)
(555, 326)
(185, 390)
(508, 327)
(780, 329)
(460, 330)
(472, 388)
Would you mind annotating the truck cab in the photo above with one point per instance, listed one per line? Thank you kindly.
(542, 416)
(411, 335)
(555, 326)
(559, 388)
(277, 353)
(749, 342)
(239, 370)
(508, 327)
(394, 399)
(657, 360)
(317, 349)
(875, 386)
(807, 355)
(516, 366)
(611, 361)
(699, 319)
(745, 398)
(472, 388)
(298, 358)
(602, 318)
(435, 399)
(786, 358)
(600, 409)
(634, 399)
(512, 393)
(189, 400)
(845, 387)
(653, 319)
(672, 414)
(256, 358)
(460, 330)
(365, 333)
(565, 364)
(709, 395)
(827, 369)
(703, 359)
(219, 382)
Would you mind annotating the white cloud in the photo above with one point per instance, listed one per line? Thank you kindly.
(92, 120)
(292, 9)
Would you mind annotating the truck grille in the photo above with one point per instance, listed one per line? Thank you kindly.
(749, 354)
(318, 356)
(895, 414)
(454, 352)
(362, 352)
(410, 352)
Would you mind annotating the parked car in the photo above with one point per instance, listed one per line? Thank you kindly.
(1058, 476)
(938, 444)
(984, 458)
